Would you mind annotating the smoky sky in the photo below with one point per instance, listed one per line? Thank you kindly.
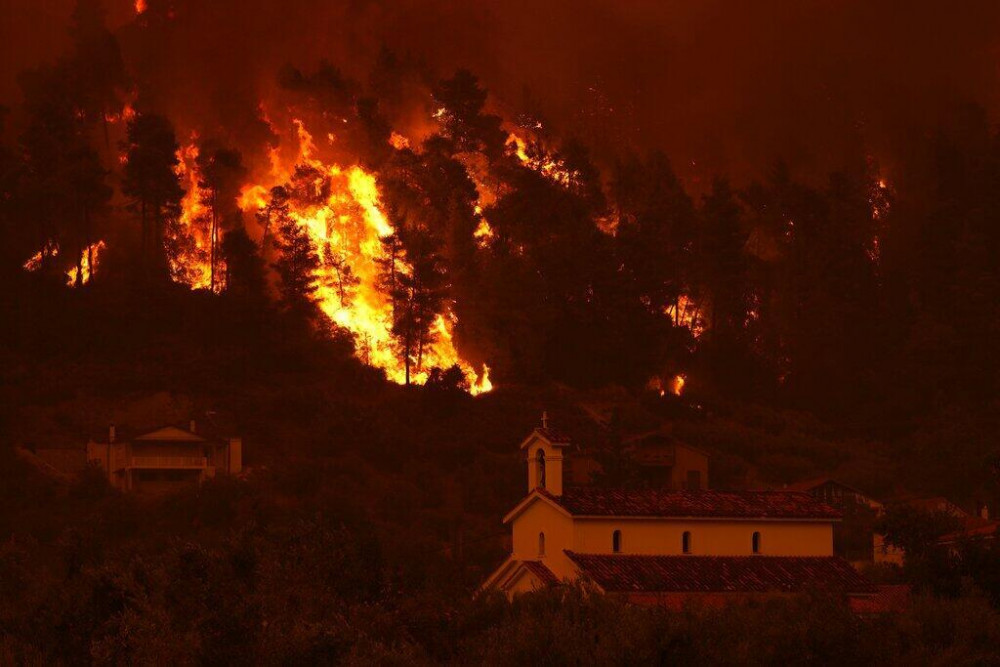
(720, 86)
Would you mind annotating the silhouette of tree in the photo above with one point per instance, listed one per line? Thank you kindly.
(461, 115)
(222, 173)
(296, 265)
(150, 182)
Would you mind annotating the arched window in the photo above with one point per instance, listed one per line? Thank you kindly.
(540, 469)
(616, 541)
(686, 542)
(755, 542)
(541, 544)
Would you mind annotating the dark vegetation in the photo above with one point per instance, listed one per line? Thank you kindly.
(851, 328)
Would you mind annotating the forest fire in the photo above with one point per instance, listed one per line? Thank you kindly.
(338, 210)
(79, 274)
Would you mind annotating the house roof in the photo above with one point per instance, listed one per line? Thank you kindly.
(972, 528)
(169, 434)
(590, 501)
(721, 574)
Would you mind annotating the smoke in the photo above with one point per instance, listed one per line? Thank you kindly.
(721, 87)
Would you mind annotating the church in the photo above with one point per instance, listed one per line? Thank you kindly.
(659, 546)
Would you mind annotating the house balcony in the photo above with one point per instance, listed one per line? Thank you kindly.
(167, 463)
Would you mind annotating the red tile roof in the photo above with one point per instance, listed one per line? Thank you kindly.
(721, 574)
(544, 574)
(589, 501)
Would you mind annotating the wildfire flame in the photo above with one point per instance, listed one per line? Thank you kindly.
(687, 313)
(92, 251)
(346, 223)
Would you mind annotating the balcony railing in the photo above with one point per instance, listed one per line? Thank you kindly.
(168, 462)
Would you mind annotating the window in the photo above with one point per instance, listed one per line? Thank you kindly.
(616, 541)
(541, 544)
(686, 542)
(540, 468)
(755, 542)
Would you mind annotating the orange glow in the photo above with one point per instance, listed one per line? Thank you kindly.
(534, 156)
(140, 6)
(677, 384)
(52, 250)
(93, 251)
(687, 313)
(347, 227)
(398, 141)
(191, 263)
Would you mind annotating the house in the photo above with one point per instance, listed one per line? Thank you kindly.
(667, 546)
(853, 536)
(666, 462)
(658, 460)
(165, 458)
(890, 554)
(836, 494)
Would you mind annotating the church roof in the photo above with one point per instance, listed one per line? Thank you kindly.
(553, 436)
(721, 574)
(590, 501)
(540, 570)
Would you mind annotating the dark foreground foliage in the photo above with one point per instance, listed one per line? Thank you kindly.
(241, 572)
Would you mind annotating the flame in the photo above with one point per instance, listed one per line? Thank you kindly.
(51, 249)
(483, 233)
(91, 251)
(687, 313)
(541, 160)
(677, 384)
(36, 260)
(140, 7)
(190, 263)
(398, 141)
(347, 226)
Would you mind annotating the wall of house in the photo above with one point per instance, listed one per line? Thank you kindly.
(686, 459)
(185, 449)
(708, 537)
(541, 517)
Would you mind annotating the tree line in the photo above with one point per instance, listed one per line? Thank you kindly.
(876, 291)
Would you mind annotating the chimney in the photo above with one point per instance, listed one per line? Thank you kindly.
(545, 420)
(193, 426)
(111, 434)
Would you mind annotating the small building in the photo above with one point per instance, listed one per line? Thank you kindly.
(165, 458)
(853, 537)
(666, 462)
(668, 546)
(890, 554)
(836, 494)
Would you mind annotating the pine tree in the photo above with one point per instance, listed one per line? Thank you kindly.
(296, 265)
(152, 185)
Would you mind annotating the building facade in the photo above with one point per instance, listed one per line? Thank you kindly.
(667, 545)
(165, 458)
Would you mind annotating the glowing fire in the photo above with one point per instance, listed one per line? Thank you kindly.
(674, 385)
(687, 313)
(398, 141)
(190, 263)
(91, 253)
(140, 6)
(534, 156)
(88, 254)
(340, 209)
